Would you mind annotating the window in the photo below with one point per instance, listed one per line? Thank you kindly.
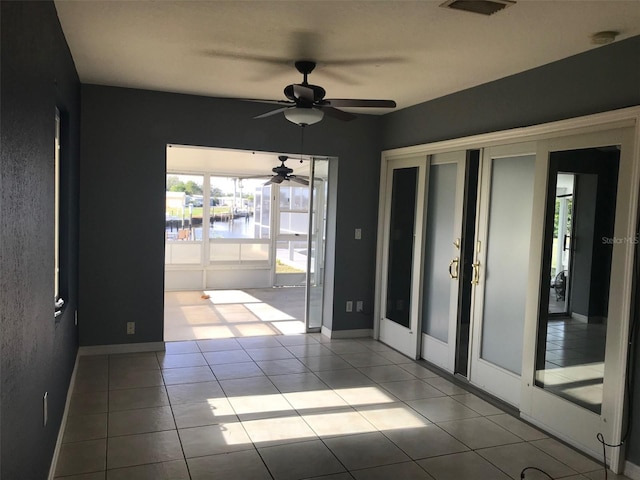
(58, 301)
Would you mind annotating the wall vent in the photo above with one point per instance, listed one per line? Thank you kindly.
(484, 7)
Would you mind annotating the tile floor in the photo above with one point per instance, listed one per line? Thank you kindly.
(292, 407)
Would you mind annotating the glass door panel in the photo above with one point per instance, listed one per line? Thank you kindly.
(501, 267)
(316, 243)
(442, 258)
(403, 239)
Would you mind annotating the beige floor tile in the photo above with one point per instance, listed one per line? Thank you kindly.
(365, 395)
(338, 422)
(344, 378)
(269, 353)
(133, 361)
(314, 399)
(180, 360)
(142, 420)
(445, 386)
(194, 392)
(214, 411)
(386, 373)
(174, 470)
(227, 356)
(517, 427)
(85, 427)
(229, 371)
(82, 457)
(511, 459)
(251, 407)
(343, 347)
(218, 345)
(325, 362)
(214, 439)
(91, 382)
(365, 450)
(365, 359)
(119, 379)
(244, 465)
(133, 398)
(442, 409)
(309, 350)
(175, 376)
(282, 367)
(405, 470)
(461, 466)
(395, 357)
(479, 433)
(413, 389)
(258, 342)
(84, 403)
(477, 404)
(298, 382)
(131, 450)
(300, 460)
(172, 348)
(425, 441)
(567, 455)
(392, 416)
(418, 370)
(278, 431)
(248, 386)
(84, 476)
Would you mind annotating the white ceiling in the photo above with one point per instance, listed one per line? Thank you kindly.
(408, 51)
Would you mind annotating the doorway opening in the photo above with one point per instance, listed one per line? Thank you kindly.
(244, 249)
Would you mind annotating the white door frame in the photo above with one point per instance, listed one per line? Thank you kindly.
(576, 425)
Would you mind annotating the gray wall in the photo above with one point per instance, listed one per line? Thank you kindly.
(37, 352)
(603, 79)
(124, 135)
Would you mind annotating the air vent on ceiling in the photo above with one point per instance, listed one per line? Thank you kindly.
(484, 7)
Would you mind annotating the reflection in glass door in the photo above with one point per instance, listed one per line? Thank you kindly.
(571, 346)
(402, 240)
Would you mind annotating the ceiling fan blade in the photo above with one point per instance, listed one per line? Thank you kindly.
(339, 114)
(277, 179)
(303, 93)
(354, 102)
(272, 112)
(260, 100)
(302, 181)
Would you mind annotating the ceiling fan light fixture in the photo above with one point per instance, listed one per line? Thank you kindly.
(303, 116)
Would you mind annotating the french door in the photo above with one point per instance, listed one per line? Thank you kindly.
(574, 364)
(500, 268)
(403, 231)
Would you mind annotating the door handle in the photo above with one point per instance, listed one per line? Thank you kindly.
(476, 273)
(453, 274)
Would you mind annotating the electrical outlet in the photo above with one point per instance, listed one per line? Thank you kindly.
(359, 306)
(349, 306)
(45, 409)
(131, 328)
(358, 234)
(75, 316)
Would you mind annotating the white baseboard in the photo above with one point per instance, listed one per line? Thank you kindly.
(359, 333)
(63, 422)
(632, 470)
(121, 348)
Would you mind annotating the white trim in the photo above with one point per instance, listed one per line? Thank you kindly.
(63, 422)
(356, 333)
(121, 348)
(632, 470)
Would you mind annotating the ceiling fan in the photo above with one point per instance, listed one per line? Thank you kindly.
(306, 105)
(282, 173)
